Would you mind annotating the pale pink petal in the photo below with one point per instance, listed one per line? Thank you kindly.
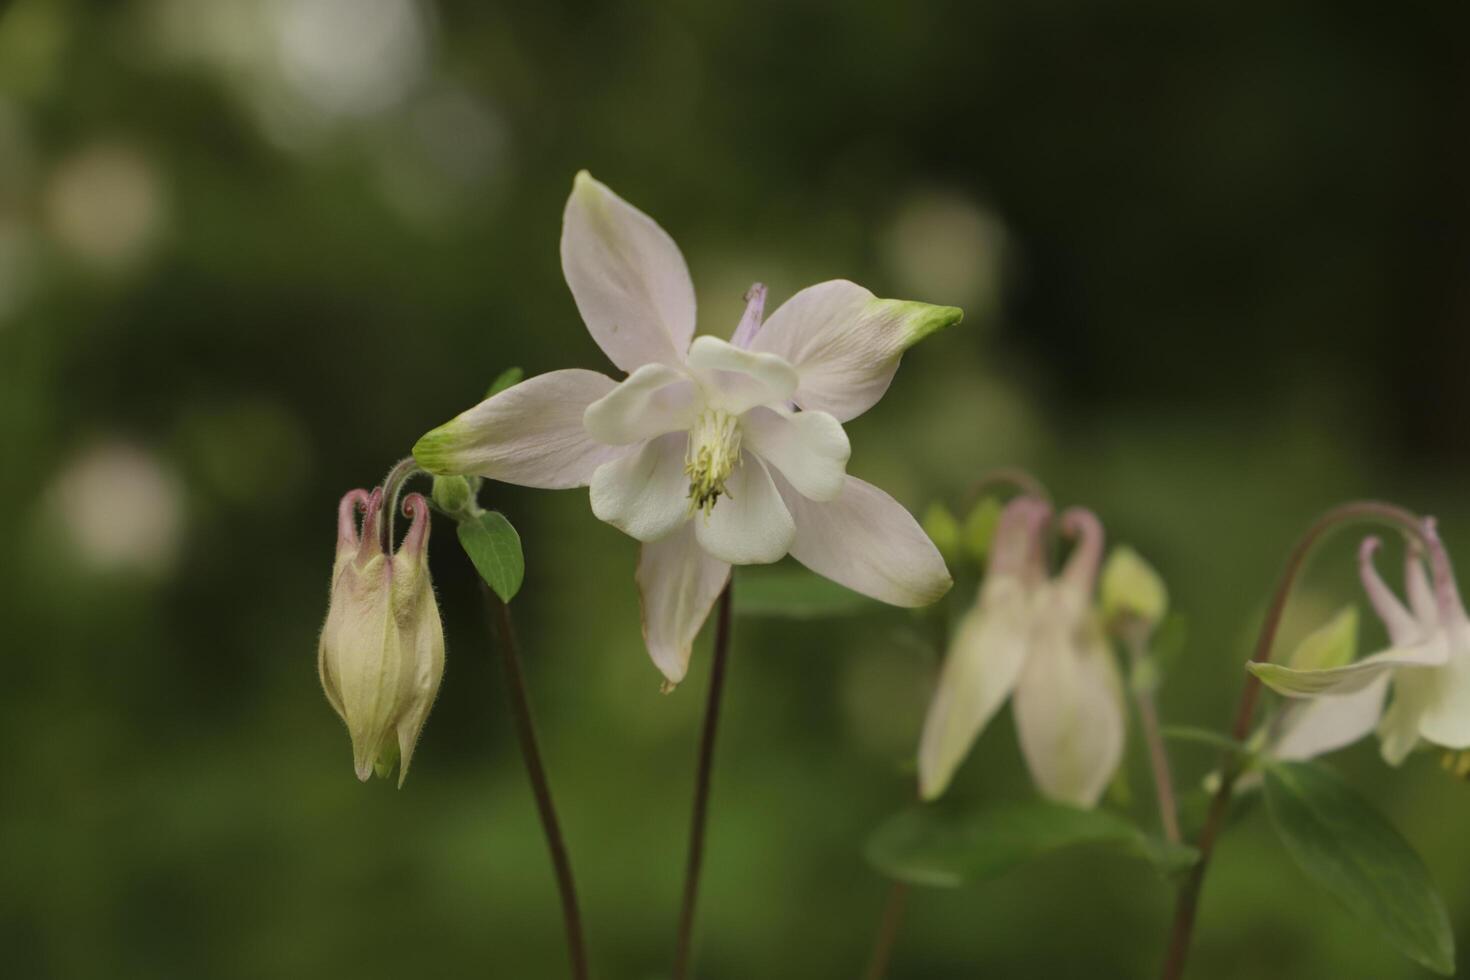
(845, 343)
(678, 582)
(1068, 703)
(750, 321)
(649, 402)
(749, 525)
(980, 670)
(644, 494)
(808, 448)
(1400, 623)
(1331, 722)
(1444, 713)
(737, 380)
(530, 434)
(627, 276)
(866, 541)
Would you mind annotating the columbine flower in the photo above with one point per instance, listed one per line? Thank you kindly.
(711, 453)
(382, 648)
(1427, 667)
(1039, 640)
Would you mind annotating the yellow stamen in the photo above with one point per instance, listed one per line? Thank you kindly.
(713, 454)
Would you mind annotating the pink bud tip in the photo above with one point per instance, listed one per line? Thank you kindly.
(415, 506)
(1086, 557)
(347, 508)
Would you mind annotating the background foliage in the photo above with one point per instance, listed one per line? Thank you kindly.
(1214, 260)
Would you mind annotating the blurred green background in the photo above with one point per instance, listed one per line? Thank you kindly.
(1214, 260)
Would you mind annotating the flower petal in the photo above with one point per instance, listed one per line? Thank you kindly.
(678, 583)
(1398, 732)
(749, 525)
(644, 494)
(649, 402)
(809, 448)
(738, 380)
(627, 276)
(845, 343)
(866, 541)
(1331, 722)
(980, 670)
(1069, 707)
(530, 434)
(1444, 716)
(1402, 628)
(1351, 677)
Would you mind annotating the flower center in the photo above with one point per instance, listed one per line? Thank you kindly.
(713, 454)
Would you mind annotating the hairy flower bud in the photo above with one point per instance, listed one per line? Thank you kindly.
(382, 649)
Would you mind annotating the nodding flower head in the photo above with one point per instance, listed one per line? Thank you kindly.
(381, 654)
(1036, 640)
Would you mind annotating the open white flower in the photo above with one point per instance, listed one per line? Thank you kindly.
(711, 453)
(1039, 640)
(1427, 667)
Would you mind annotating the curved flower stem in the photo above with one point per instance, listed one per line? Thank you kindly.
(1187, 903)
(1007, 476)
(682, 950)
(515, 683)
(887, 935)
(1148, 717)
(401, 473)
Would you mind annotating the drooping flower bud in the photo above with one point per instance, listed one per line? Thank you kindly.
(382, 649)
(1132, 590)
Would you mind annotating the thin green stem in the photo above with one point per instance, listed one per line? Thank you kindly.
(887, 936)
(520, 704)
(683, 949)
(1187, 904)
(1148, 717)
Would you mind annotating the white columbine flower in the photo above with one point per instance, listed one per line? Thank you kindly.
(712, 453)
(1038, 640)
(1427, 667)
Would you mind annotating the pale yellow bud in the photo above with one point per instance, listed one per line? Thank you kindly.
(1131, 590)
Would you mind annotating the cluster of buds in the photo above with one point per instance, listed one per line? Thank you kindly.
(381, 655)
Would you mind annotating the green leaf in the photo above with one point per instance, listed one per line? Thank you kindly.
(1349, 849)
(944, 846)
(1188, 733)
(507, 378)
(979, 528)
(495, 548)
(793, 593)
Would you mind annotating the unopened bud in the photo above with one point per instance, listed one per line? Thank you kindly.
(942, 528)
(454, 496)
(1132, 590)
(381, 655)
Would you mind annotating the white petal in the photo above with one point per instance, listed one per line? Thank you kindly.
(678, 583)
(1069, 710)
(644, 494)
(1331, 722)
(740, 379)
(982, 666)
(1403, 629)
(1444, 718)
(809, 448)
(866, 541)
(627, 276)
(845, 343)
(530, 434)
(1398, 732)
(749, 525)
(649, 402)
(1350, 677)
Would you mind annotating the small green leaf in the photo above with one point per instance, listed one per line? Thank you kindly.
(1330, 645)
(1349, 849)
(942, 528)
(507, 378)
(495, 548)
(945, 846)
(1188, 733)
(979, 528)
(793, 593)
